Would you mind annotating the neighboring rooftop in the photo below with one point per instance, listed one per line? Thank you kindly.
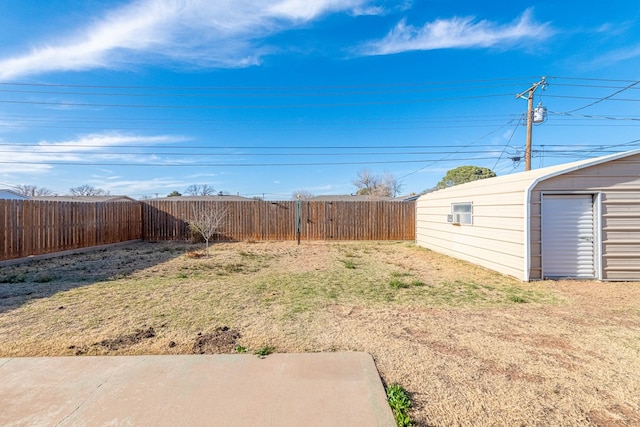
(345, 198)
(360, 198)
(88, 199)
(215, 198)
(12, 195)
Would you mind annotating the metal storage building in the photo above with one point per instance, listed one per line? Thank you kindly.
(578, 220)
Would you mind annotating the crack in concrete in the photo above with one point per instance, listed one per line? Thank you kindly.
(79, 406)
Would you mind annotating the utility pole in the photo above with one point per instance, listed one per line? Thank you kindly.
(527, 152)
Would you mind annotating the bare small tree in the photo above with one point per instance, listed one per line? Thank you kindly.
(88, 190)
(207, 222)
(301, 194)
(200, 190)
(33, 190)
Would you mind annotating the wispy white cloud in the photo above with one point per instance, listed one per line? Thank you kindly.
(18, 163)
(618, 55)
(458, 32)
(42, 157)
(221, 33)
(382, 8)
(206, 175)
(105, 141)
(143, 187)
(369, 11)
(609, 29)
(307, 10)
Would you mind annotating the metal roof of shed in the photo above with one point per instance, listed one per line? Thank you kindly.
(530, 178)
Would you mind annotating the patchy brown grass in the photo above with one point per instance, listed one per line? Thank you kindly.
(471, 347)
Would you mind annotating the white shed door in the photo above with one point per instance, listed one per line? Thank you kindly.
(568, 236)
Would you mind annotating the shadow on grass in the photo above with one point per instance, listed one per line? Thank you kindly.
(21, 283)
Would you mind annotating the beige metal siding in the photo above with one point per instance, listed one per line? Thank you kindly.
(621, 235)
(618, 184)
(495, 240)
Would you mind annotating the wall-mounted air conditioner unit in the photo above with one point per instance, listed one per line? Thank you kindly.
(453, 218)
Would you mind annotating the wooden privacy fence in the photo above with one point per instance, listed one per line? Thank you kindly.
(29, 227)
(264, 220)
(39, 227)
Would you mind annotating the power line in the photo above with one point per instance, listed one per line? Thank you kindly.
(427, 120)
(311, 105)
(299, 87)
(507, 144)
(590, 98)
(314, 87)
(605, 98)
(432, 162)
(592, 79)
(192, 165)
(9, 185)
(591, 116)
(227, 94)
(399, 119)
(264, 92)
(556, 84)
(254, 106)
(307, 129)
(182, 154)
(399, 155)
(233, 147)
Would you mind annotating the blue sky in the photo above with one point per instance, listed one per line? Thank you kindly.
(267, 97)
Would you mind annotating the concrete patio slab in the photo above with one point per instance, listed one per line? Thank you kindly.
(310, 389)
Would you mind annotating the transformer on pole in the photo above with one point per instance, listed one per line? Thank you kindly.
(538, 116)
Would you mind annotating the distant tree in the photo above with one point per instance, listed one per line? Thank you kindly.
(366, 182)
(193, 190)
(32, 190)
(302, 194)
(207, 190)
(88, 190)
(463, 174)
(390, 185)
(371, 184)
(207, 222)
(174, 194)
(200, 190)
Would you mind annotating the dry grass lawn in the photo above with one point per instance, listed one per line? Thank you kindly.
(471, 347)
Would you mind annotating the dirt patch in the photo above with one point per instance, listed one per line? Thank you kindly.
(128, 340)
(222, 340)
